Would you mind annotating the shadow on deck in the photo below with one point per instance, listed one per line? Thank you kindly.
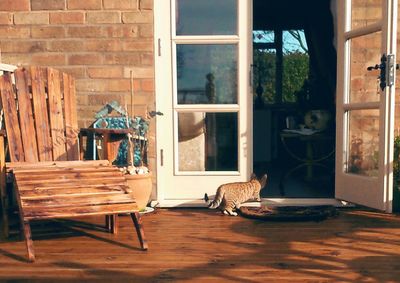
(202, 245)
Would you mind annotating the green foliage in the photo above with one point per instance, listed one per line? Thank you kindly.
(396, 175)
(295, 73)
(264, 73)
(396, 160)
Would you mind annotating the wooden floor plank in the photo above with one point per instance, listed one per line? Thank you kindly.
(200, 245)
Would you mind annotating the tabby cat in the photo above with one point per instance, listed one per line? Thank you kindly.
(230, 196)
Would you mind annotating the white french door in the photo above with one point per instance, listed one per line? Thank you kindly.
(365, 103)
(203, 88)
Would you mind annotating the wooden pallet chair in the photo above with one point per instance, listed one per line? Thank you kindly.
(4, 68)
(50, 180)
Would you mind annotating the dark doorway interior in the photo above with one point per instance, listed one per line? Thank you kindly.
(294, 66)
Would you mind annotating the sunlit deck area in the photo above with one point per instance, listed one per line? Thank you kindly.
(204, 245)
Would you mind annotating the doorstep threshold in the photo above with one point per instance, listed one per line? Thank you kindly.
(264, 202)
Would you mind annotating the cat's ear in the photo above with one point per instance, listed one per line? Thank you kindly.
(253, 176)
(263, 180)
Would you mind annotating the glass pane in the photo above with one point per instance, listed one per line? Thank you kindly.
(397, 98)
(363, 142)
(207, 73)
(206, 17)
(208, 141)
(365, 12)
(264, 86)
(365, 52)
(295, 65)
(396, 158)
(263, 36)
(294, 41)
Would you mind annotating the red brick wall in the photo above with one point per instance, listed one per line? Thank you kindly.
(98, 41)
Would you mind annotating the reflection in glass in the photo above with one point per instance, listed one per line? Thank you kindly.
(365, 52)
(207, 73)
(365, 12)
(208, 141)
(206, 17)
(363, 144)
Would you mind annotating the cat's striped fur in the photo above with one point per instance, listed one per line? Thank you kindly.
(230, 196)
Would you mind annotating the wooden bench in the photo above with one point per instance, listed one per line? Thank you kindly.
(42, 136)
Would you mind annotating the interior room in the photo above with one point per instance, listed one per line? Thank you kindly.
(294, 81)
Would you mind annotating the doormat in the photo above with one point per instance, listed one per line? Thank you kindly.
(290, 213)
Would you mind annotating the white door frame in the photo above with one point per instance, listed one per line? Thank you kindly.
(164, 44)
(163, 78)
(163, 81)
(377, 191)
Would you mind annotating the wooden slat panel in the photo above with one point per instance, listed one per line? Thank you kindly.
(41, 115)
(26, 117)
(55, 182)
(42, 171)
(61, 164)
(56, 115)
(67, 182)
(72, 191)
(71, 201)
(71, 121)
(54, 173)
(82, 169)
(67, 175)
(52, 212)
(11, 119)
(63, 180)
(115, 185)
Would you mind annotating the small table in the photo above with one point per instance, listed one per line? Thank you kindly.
(111, 140)
(310, 160)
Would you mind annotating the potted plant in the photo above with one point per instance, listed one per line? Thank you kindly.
(129, 153)
(137, 172)
(128, 149)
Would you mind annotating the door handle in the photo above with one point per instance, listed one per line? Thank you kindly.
(386, 67)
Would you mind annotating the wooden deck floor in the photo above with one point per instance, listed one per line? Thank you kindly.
(201, 245)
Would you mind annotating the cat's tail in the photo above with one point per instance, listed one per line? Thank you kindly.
(217, 200)
(207, 199)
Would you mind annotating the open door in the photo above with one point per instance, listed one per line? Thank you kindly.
(365, 102)
(203, 88)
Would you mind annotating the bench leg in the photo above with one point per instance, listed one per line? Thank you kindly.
(108, 223)
(137, 221)
(112, 223)
(3, 189)
(26, 229)
(4, 220)
(114, 226)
